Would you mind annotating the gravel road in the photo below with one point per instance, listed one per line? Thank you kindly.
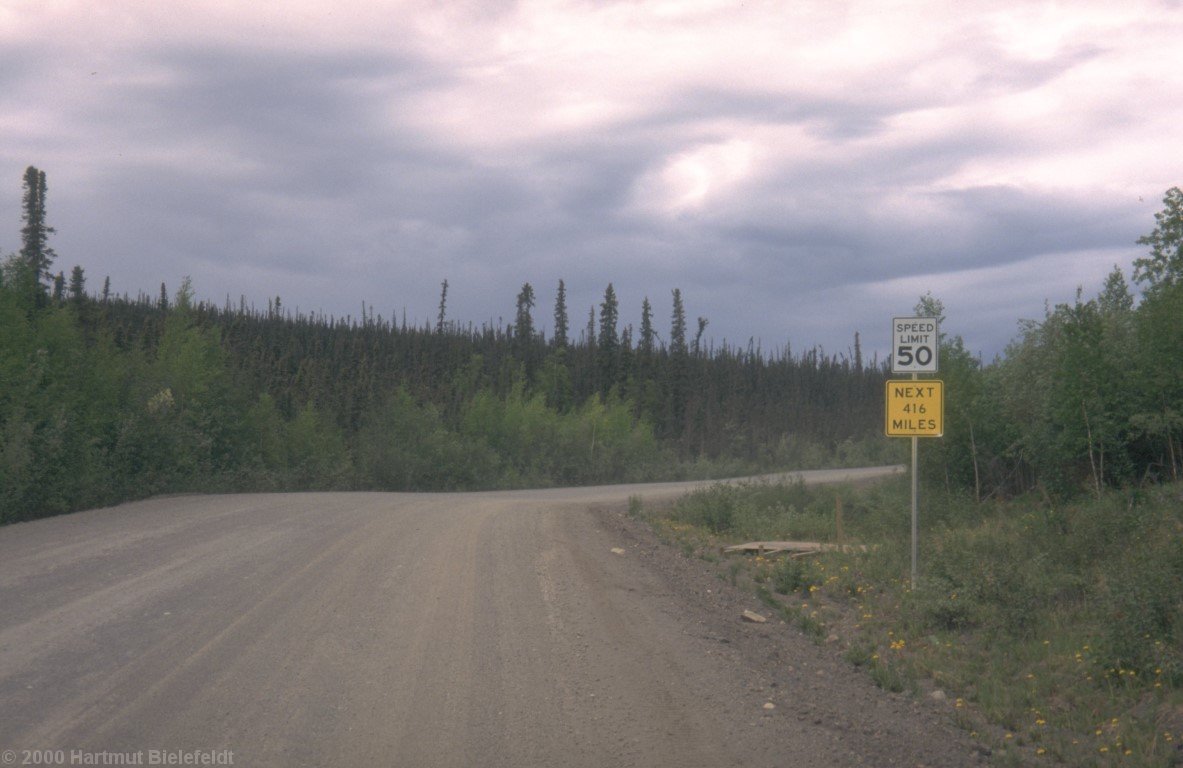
(385, 629)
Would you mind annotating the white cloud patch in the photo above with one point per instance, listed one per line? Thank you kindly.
(694, 179)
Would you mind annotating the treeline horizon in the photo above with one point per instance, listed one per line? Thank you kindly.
(167, 394)
(107, 398)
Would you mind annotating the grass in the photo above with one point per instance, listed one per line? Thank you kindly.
(1055, 632)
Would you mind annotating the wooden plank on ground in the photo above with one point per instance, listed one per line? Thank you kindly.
(790, 547)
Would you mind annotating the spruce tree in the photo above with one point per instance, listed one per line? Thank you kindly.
(35, 250)
(523, 325)
(523, 330)
(439, 323)
(645, 365)
(77, 285)
(560, 336)
(587, 372)
(702, 326)
(678, 372)
(647, 334)
(678, 326)
(609, 341)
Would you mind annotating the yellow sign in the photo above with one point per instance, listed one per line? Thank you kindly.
(915, 408)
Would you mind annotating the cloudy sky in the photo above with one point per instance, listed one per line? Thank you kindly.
(800, 170)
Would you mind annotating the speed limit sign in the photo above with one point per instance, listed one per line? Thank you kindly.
(914, 345)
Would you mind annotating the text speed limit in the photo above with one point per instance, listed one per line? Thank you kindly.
(915, 343)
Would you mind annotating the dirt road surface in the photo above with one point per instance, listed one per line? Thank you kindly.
(385, 629)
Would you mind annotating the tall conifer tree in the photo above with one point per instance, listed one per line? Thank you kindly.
(523, 325)
(35, 250)
(702, 326)
(77, 285)
(523, 330)
(591, 328)
(647, 334)
(560, 338)
(678, 382)
(609, 341)
(678, 326)
(439, 323)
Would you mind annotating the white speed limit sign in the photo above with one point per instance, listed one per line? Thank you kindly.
(914, 345)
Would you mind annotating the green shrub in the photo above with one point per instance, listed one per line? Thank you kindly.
(1143, 612)
(998, 576)
(939, 604)
(712, 508)
(793, 575)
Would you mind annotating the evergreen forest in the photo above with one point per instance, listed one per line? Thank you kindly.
(105, 397)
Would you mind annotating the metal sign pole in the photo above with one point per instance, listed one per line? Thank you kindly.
(915, 512)
(915, 505)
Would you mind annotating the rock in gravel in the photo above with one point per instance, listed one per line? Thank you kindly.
(754, 617)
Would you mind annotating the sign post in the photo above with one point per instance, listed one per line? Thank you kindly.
(915, 408)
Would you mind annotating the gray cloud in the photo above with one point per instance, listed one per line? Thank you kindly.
(321, 175)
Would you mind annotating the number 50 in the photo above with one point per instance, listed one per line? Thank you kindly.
(922, 355)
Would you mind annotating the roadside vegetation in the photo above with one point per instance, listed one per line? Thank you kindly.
(1049, 609)
(1053, 632)
(106, 397)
